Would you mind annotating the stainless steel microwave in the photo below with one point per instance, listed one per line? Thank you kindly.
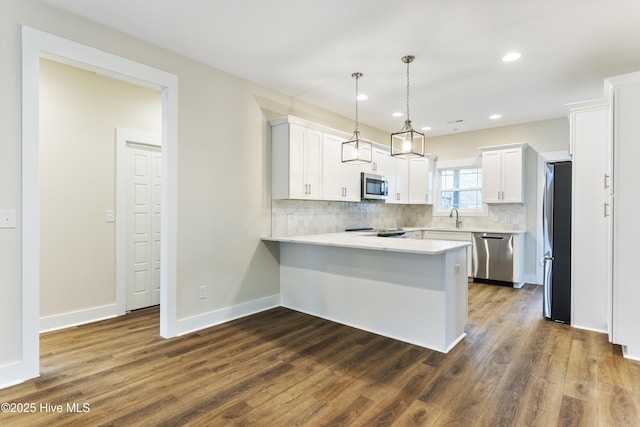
(374, 187)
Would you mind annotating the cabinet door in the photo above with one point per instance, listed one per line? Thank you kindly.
(350, 178)
(399, 181)
(297, 141)
(419, 181)
(492, 176)
(402, 180)
(332, 188)
(313, 164)
(340, 181)
(381, 162)
(512, 175)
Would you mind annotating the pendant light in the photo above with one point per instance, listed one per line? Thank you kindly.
(355, 150)
(407, 142)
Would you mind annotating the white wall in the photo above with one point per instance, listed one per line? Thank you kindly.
(79, 112)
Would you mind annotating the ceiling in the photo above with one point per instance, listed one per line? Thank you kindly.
(308, 49)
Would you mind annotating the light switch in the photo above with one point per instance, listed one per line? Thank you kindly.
(7, 219)
(111, 216)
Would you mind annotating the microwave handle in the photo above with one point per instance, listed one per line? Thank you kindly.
(385, 187)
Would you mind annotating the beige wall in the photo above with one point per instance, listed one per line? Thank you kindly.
(79, 112)
(223, 167)
(542, 137)
(224, 198)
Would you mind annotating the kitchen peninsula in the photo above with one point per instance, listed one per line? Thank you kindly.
(407, 289)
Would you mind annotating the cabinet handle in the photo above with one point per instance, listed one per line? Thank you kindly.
(375, 166)
(498, 195)
(606, 181)
(606, 209)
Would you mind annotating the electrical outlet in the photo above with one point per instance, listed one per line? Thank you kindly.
(203, 292)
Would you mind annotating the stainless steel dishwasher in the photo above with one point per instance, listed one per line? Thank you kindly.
(492, 256)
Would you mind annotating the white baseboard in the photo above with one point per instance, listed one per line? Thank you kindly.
(14, 373)
(75, 318)
(212, 318)
(590, 329)
(631, 352)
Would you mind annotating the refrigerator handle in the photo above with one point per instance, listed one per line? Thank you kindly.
(545, 259)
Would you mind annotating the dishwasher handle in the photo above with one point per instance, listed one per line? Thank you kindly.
(493, 237)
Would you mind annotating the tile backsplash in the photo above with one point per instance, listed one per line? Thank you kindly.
(296, 217)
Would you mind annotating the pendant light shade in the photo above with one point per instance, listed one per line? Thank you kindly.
(355, 150)
(407, 142)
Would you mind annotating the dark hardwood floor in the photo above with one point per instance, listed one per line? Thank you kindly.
(284, 368)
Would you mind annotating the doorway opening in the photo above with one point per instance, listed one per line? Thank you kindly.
(35, 45)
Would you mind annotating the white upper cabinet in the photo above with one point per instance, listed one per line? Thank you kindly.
(340, 181)
(421, 180)
(503, 173)
(306, 164)
(380, 163)
(398, 180)
(296, 161)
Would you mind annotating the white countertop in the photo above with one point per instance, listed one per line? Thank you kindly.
(369, 240)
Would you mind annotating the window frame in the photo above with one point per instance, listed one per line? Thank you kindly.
(450, 165)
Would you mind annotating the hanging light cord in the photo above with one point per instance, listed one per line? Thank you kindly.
(408, 61)
(357, 76)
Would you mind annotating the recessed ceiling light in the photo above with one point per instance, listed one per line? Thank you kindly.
(397, 114)
(495, 116)
(362, 97)
(426, 128)
(511, 56)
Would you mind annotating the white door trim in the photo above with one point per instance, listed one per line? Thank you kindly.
(37, 44)
(124, 136)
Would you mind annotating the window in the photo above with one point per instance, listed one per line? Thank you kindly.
(461, 189)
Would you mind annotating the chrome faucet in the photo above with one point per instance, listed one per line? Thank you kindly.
(458, 222)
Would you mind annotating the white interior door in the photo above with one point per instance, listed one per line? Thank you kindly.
(144, 176)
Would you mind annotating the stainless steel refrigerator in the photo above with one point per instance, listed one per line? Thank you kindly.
(557, 242)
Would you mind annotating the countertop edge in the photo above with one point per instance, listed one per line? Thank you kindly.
(355, 241)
